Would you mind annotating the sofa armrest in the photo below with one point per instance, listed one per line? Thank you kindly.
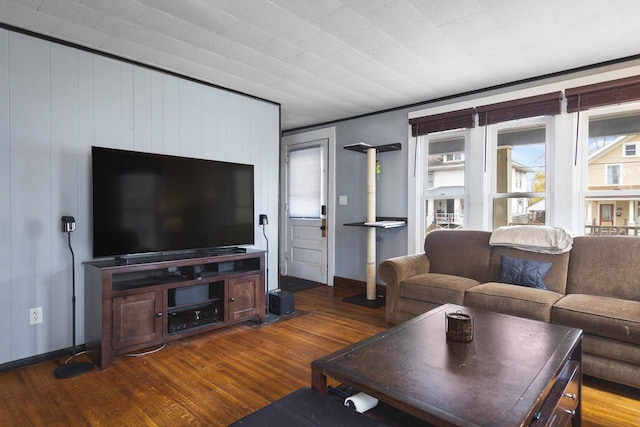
(394, 270)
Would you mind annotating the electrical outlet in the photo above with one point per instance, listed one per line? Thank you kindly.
(35, 315)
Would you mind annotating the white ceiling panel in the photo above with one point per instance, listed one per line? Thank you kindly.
(332, 59)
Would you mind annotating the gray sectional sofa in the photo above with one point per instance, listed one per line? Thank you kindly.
(595, 287)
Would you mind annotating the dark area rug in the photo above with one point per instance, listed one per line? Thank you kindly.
(295, 284)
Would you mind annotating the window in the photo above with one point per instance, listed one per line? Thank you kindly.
(629, 150)
(613, 175)
(453, 157)
(520, 177)
(305, 183)
(612, 170)
(443, 188)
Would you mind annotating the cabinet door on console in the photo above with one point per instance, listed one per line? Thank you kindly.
(243, 296)
(137, 319)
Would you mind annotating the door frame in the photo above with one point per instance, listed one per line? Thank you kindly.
(301, 138)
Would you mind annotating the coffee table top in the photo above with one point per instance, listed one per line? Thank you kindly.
(497, 379)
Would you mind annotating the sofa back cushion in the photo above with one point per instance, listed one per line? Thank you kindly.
(605, 266)
(555, 279)
(459, 252)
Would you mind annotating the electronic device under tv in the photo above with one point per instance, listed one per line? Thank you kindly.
(152, 203)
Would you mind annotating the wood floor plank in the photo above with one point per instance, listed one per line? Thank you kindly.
(215, 378)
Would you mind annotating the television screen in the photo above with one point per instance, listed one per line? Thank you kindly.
(146, 203)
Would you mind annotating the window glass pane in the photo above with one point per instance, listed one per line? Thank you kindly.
(444, 183)
(305, 183)
(612, 216)
(612, 162)
(612, 201)
(521, 160)
(518, 211)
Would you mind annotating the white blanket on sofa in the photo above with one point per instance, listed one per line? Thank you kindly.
(533, 238)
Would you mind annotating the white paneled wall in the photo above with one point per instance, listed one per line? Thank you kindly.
(55, 103)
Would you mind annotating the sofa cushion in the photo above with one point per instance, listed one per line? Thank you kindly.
(555, 279)
(523, 272)
(446, 249)
(437, 288)
(604, 316)
(605, 266)
(519, 301)
(612, 349)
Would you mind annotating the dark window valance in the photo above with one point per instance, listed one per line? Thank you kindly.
(440, 122)
(600, 94)
(548, 104)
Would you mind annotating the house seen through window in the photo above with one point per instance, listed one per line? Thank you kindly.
(520, 180)
(612, 190)
(444, 186)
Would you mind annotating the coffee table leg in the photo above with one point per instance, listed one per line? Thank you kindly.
(318, 381)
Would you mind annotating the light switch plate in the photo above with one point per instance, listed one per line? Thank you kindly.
(342, 200)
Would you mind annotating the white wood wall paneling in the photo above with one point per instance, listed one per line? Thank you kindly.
(210, 144)
(126, 73)
(86, 140)
(190, 119)
(64, 189)
(30, 123)
(157, 113)
(170, 115)
(223, 142)
(107, 103)
(142, 100)
(6, 294)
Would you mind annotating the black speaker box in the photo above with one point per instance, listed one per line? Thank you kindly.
(281, 302)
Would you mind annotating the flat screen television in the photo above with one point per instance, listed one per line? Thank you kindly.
(149, 203)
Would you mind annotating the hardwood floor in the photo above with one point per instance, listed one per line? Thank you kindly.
(216, 378)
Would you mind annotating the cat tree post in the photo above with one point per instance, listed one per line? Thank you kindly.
(371, 217)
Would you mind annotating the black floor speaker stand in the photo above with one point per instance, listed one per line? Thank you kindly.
(73, 368)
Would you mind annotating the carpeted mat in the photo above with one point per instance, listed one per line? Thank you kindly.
(295, 284)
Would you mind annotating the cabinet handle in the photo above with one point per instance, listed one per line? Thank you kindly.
(570, 396)
(159, 314)
(570, 412)
(232, 299)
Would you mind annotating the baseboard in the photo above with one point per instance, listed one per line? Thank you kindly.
(356, 285)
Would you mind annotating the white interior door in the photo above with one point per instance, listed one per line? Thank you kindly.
(306, 211)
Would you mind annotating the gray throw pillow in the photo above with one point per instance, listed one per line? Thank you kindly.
(523, 272)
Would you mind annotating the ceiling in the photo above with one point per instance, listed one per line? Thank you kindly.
(325, 60)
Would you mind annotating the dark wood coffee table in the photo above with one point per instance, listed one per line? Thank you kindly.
(515, 371)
